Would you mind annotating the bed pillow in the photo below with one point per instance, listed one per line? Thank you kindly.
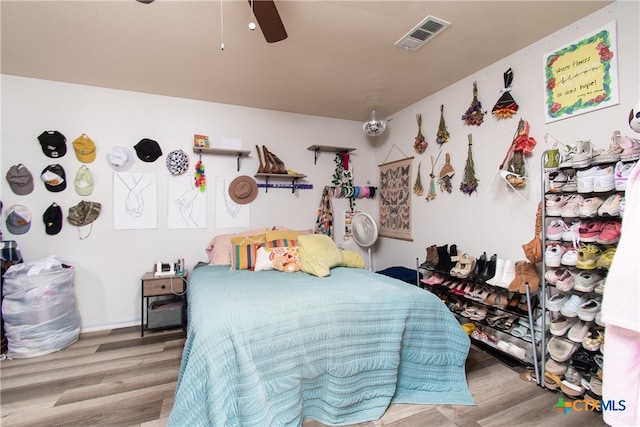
(244, 251)
(352, 259)
(264, 260)
(317, 253)
(219, 250)
(315, 266)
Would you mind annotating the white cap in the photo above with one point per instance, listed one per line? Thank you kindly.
(84, 181)
(120, 158)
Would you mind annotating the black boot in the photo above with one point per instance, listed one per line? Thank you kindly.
(444, 259)
(481, 264)
(489, 271)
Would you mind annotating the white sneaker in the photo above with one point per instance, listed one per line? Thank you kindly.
(612, 154)
(588, 310)
(557, 180)
(566, 155)
(569, 257)
(585, 179)
(572, 181)
(572, 233)
(622, 172)
(555, 301)
(555, 229)
(583, 155)
(553, 254)
(589, 207)
(571, 208)
(611, 206)
(603, 179)
(554, 204)
(571, 306)
(586, 280)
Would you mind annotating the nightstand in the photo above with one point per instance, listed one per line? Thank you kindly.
(163, 302)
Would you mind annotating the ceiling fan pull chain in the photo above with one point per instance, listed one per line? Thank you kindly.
(252, 25)
(221, 27)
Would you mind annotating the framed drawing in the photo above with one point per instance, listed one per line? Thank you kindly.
(582, 76)
(395, 199)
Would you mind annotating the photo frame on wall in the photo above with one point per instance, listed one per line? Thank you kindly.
(395, 199)
(582, 76)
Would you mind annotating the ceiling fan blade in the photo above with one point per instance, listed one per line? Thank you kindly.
(269, 20)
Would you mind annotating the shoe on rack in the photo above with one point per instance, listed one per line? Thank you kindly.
(555, 301)
(499, 270)
(554, 274)
(622, 172)
(566, 282)
(586, 280)
(557, 180)
(431, 259)
(489, 270)
(588, 310)
(554, 204)
(588, 256)
(599, 288)
(553, 254)
(572, 233)
(554, 367)
(481, 263)
(589, 231)
(571, 306)
(630, 149)
(560, 325)
(571, 208)
(551, 159)
(578, 331)
(585, 179)
(611, 154)
(610, 233)
(593, 340)
(508, 274)
(604, 179)
(555, 229)
(566, 155)
(606, 258)
(572, 181)
(589, 207)
(561, 349)
(622, 205)
(444, 260)
(583, 155)
(611, 206)
(569, 257)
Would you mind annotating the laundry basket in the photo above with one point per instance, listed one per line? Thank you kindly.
(39, 307)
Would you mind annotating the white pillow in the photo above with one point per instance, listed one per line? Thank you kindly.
(263, 259)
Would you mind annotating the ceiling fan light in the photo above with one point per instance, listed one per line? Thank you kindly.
(374, 125)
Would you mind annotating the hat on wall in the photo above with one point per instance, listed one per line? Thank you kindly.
(18, 219)
(53, 143)
(54, 178)
(85, 149)
(148, 150)
(120, 158)
(20, 179)
(243, 190)
(84, 181)
(177, 162)
(52, 219)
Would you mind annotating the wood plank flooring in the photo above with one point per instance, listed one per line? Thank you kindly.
(116, 378)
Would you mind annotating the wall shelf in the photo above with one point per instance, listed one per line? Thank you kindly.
(294, 180)
(329, 148)
(223, 151)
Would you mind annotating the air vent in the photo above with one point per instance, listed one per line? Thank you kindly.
(426, 30)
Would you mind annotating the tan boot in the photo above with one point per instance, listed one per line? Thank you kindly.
(267, 165)
(531, 276)
(261, 168)
(517, 283)
(278, 165)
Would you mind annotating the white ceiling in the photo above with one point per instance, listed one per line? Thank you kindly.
(339, 59)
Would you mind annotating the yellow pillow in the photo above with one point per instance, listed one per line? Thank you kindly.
(282, 235)
(352, 259)
(313, 246)
(316, 266)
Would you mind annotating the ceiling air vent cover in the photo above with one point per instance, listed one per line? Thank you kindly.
(426, 30)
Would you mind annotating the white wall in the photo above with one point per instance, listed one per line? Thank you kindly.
(110, 262)
(495, 219)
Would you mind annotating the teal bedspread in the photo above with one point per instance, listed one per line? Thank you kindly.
(270, 349)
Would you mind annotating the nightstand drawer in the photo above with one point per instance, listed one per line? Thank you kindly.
(162, 286)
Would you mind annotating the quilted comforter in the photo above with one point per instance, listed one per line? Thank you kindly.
(270, 349)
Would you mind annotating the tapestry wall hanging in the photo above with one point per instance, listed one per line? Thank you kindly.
(395, 199)
(582, 76)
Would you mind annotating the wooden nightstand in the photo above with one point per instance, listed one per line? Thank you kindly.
(163, 302)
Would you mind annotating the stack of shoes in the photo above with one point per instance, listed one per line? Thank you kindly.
(572, 383)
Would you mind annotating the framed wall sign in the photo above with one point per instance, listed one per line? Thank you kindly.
(582, 76)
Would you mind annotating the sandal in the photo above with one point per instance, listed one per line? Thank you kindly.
(493, 320)
(509, 322)
(528, 376)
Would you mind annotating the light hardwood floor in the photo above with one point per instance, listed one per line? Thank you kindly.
(116, 378)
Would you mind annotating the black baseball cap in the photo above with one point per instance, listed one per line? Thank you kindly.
(54, 178)
(53, 143)
(52, 219)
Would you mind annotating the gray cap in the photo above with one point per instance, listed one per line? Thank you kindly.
(18, 219)
(20, 179)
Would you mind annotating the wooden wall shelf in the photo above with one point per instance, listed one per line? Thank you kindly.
(223, 151)
(328, 148)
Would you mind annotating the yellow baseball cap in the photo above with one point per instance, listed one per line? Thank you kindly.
(85, 149)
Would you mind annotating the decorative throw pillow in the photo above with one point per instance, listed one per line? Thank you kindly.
(352, 259)
(314, 246)
(282, 234)
(264, 260)
(244, 251)
(286, 259)
(315, 266)
(219, 250)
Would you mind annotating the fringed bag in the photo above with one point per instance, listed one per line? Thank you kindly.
(533, 249)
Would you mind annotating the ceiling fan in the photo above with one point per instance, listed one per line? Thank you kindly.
(267, 16)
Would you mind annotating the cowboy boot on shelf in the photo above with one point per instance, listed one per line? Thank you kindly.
(267, 164)
(261, 168)
(277, 165)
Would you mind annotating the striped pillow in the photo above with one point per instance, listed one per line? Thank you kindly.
(244, 251)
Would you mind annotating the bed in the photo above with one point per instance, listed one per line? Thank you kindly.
(270, 348)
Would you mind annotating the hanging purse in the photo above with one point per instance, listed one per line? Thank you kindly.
(533, 249)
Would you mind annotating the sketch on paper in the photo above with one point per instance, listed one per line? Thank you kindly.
(187, 205)
(135, 200)
(229, 214)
